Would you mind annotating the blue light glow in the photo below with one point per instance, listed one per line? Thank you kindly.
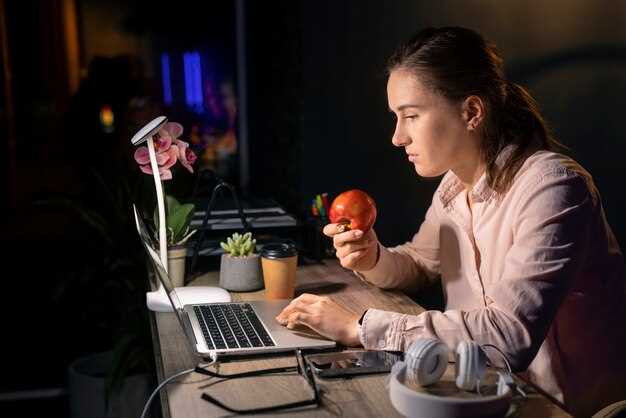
(193, 79)
(197, 76)
(188, 86)
(165, 75)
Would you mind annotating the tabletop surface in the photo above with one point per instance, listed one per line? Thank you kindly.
(362, 396)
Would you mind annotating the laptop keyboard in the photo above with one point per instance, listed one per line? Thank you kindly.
(233, 325)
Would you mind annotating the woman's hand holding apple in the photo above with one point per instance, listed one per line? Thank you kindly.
(353, 214)
(355, 250)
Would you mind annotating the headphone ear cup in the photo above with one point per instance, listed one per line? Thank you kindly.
(426, 360)
(470, 365)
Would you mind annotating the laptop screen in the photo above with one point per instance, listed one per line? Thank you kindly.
(160, 272)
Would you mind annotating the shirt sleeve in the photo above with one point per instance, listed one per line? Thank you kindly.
(410, 265)
(551, 234)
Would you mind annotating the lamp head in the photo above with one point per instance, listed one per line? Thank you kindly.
(149, 130)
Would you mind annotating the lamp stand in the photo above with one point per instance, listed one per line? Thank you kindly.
(157, 300)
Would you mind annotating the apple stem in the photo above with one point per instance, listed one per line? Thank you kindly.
(343, 226)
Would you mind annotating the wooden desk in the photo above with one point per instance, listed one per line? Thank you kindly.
(363, 396)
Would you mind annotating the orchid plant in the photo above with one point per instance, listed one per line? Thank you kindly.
(170, 150)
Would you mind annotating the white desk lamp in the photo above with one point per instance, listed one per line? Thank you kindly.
(157, 300)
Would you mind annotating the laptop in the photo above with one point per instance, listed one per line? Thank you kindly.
(234, 328)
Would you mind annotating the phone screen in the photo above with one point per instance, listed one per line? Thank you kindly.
(353, 362)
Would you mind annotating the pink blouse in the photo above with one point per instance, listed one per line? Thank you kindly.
(535, 271)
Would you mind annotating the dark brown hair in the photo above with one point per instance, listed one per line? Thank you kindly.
(458, 63)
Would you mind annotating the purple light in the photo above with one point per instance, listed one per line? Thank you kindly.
(165, 76)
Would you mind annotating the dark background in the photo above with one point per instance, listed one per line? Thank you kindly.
(317, 121)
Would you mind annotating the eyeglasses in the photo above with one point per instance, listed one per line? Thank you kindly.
(303, 370)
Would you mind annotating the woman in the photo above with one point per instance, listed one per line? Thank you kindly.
(515, 231)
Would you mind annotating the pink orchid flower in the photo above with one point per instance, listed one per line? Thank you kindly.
(165, 160)
(166, 156)
(171, 129)
(186, 156)
(169, 149)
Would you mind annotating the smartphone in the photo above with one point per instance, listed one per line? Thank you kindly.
(348, 363)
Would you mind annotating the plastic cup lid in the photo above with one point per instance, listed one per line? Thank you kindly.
(279, 250)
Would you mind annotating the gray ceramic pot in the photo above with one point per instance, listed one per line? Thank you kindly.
(241, 274)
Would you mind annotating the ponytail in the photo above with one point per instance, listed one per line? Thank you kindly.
(523, 115)
(520, 123)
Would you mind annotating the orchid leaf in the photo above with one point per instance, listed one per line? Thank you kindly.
(178, 218)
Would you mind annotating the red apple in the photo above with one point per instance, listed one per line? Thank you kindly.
(353, 209)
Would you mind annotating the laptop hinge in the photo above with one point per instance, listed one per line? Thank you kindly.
(189, 328)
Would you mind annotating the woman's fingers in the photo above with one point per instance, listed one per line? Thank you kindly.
(283, 317)
(323, 315)
(351, 246)
(300, 303)
(350, 261)
(347, 237)
(355, 249)
(340, 238)
(300, 318)
(348, 249)
(355, 256)
(350, 242)
(330, 230)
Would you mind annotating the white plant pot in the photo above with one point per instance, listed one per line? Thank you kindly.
(87, 390)
(176, 258)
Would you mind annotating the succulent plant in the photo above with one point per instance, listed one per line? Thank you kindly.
(239, 245)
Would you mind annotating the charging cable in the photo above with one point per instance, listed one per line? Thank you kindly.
(168, 380)
(508, 380)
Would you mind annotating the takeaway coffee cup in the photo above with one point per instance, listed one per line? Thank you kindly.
(279, 261)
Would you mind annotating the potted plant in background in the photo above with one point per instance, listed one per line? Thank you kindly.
(240, 268)
(178, 218)
(170, 150)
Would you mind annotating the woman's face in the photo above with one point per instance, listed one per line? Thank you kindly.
(430, 127)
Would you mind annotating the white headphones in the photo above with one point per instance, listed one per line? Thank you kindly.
(425, 362)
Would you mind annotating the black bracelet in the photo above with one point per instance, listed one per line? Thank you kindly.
(361, 318)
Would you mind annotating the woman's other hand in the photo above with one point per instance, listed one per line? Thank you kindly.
(355, 250)
(323, 315)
